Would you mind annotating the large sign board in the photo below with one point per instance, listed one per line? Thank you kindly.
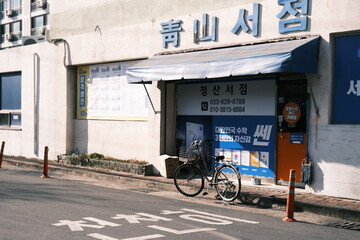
(245, 98)
(293, 16)
(346, 78)
(104, 93)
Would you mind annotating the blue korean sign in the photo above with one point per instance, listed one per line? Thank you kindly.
(248, 141)
(297, 138)
(346, 79)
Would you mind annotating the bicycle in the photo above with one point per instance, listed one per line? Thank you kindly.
(189, 178)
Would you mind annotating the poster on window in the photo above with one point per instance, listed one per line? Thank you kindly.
(103, 93)
(237, 116)
(249, 139)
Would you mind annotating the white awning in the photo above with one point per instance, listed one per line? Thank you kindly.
(295, 56)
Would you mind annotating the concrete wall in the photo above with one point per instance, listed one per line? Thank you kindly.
(113, 30)
(41, 68)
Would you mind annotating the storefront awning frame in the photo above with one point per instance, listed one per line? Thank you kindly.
(295, 56)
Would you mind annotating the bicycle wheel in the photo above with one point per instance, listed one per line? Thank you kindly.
(188, 180)
(227, 182)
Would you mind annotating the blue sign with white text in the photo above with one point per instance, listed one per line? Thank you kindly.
(246, 141)
(347, 79)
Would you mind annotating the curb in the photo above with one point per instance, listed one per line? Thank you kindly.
(247, 197)
(92, 173)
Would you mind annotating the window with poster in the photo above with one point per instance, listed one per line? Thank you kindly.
(239, 117)
(292, 105)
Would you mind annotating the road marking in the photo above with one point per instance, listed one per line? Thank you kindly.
(76, 225)
(177, 232)
(100, 236)
(102, 222)
(220, 216)
(103, 237)
(146, 237)
(140, 217)
(205, 219)
(187, 214)
(169, 212)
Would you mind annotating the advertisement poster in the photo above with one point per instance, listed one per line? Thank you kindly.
(238, 117)
(194, 131)
(103, 93)
(253, 136)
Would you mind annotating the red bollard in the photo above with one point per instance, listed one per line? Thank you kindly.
(46, 162)
(290, 198)
(2, 152)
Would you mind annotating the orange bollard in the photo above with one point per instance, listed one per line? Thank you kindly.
(46, 162)
(290, 198)
(2, 152)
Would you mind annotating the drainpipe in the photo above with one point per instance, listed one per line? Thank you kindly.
(36, 103)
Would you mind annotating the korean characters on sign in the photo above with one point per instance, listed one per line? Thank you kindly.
(293, 16)
(233, 97)
(291, 113)
(354, 88)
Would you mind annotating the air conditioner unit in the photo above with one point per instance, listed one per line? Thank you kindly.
(28, 40)
(9, 37)
(41, 3)
(42, 30)
(9, 12)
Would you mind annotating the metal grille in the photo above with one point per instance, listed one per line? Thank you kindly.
(346, 225)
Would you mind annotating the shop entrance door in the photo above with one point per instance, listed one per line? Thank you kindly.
(291, 136)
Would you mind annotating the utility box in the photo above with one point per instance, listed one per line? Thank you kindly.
(168, 164)
(171, 164)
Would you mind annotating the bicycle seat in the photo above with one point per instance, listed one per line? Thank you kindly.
(219, 158)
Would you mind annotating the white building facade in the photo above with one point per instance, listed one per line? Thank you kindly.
(268, 81)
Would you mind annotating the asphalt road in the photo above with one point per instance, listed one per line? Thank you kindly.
(58, 208)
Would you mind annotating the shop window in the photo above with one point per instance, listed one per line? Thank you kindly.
(235, 117)
(10, 100)
(292, 106)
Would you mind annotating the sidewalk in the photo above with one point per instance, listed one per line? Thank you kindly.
(264, 196)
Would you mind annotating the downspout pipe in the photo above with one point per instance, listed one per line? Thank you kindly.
(36, 102)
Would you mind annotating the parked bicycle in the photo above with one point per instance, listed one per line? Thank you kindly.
(189, 178)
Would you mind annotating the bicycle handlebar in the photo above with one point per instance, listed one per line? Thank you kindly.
(197, 143)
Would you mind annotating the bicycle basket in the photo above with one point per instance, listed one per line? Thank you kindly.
(182, 154)
(192, 154)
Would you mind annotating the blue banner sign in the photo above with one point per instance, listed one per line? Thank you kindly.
(346, 79)
(247, 141)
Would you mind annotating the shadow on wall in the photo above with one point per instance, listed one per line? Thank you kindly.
(81, 138)
(317, 184)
